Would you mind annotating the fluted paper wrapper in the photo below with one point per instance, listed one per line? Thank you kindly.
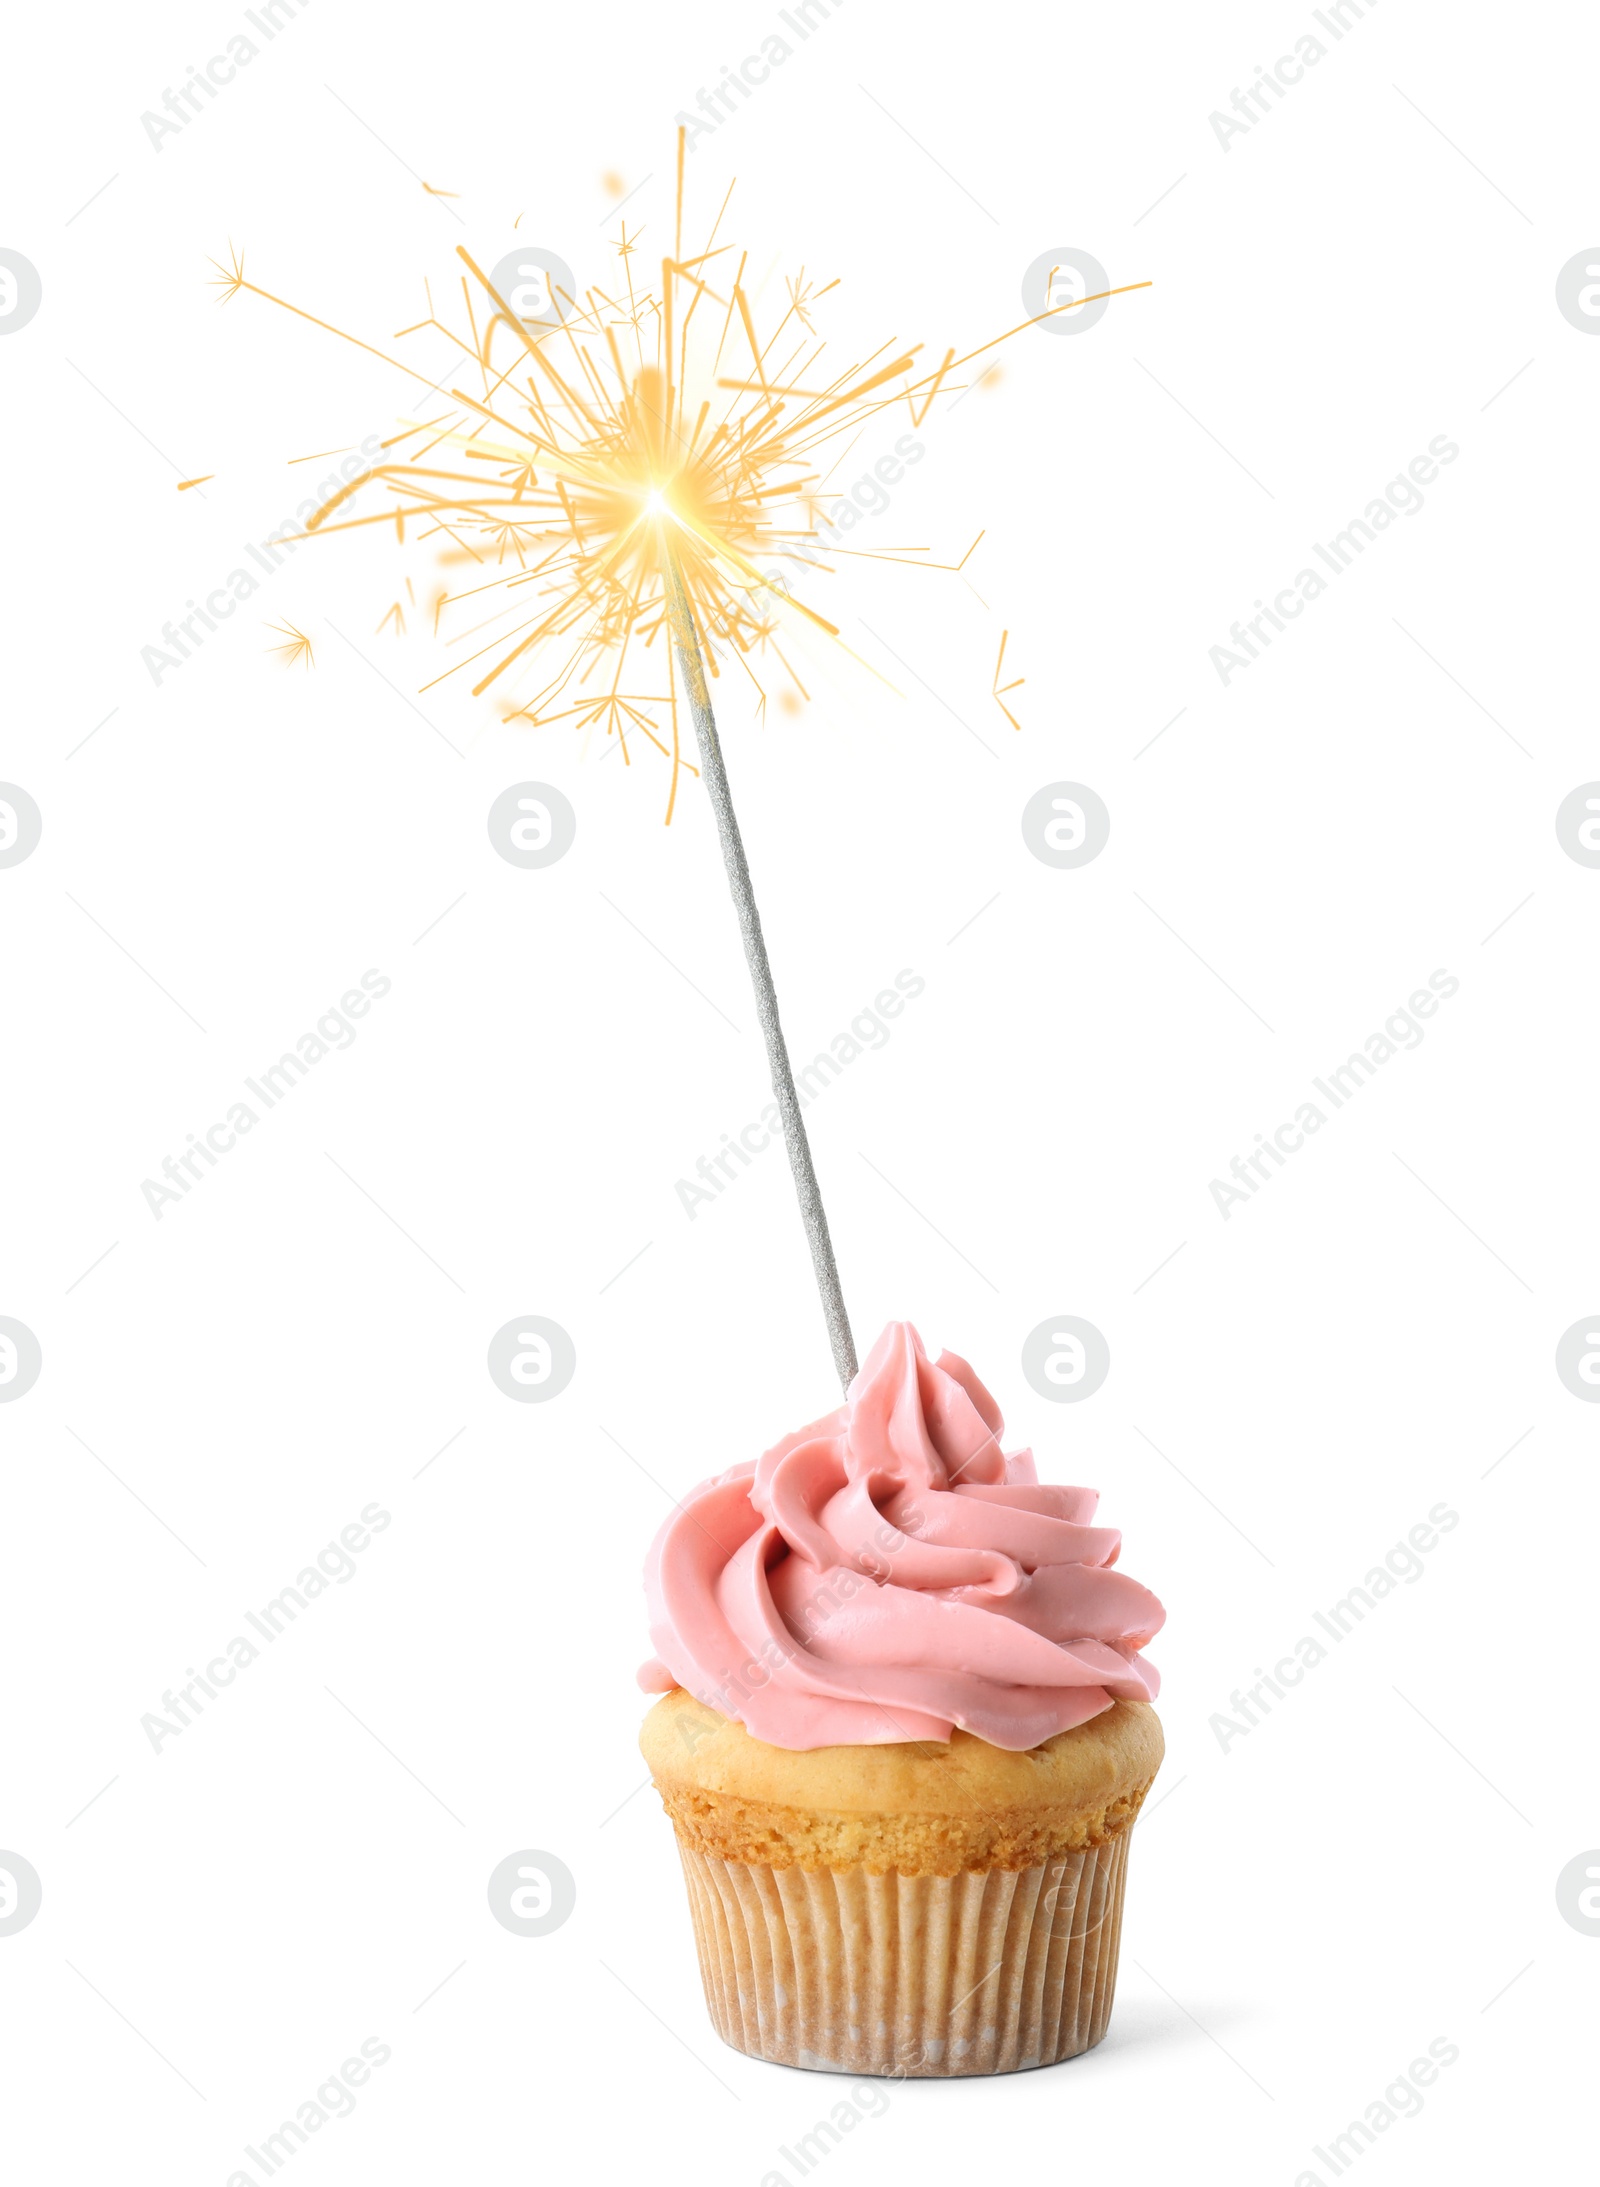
(987, 1972)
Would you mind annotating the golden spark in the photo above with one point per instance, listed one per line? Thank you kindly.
(581, 463)
(999, 689)
(296, 646)
(396, 613)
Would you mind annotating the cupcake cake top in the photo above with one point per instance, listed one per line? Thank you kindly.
(889, 1573)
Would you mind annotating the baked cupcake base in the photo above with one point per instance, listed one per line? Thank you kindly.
(917, 1910)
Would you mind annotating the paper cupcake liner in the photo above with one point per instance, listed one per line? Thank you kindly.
(987, 1972)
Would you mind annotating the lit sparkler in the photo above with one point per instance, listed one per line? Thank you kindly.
(629, 473)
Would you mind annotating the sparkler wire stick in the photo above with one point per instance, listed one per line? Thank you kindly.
(691, 665)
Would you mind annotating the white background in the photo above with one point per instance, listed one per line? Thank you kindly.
(1372, 265)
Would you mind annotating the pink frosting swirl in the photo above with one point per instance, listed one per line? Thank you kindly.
(889, 1572)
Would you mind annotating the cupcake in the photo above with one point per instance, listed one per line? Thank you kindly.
(903, 1736)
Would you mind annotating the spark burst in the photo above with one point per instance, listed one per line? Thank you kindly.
(650, 428)
(296, 645)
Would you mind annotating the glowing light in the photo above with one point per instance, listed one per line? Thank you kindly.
(537, 486)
